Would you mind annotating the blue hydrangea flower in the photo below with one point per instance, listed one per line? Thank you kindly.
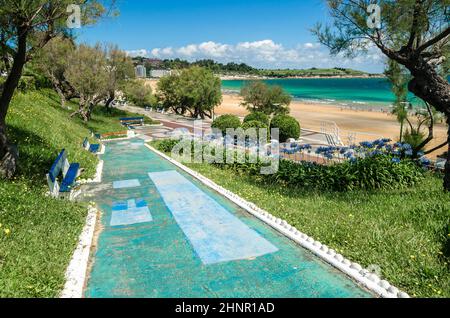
(406, 146)
(366, 144)
(425, 161)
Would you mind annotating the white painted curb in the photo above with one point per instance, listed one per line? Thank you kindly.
(98, 175)
(116, 139)
(77, 270)
(354, 270)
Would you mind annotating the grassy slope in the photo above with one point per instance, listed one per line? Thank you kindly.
(404, 232)
(43, 231)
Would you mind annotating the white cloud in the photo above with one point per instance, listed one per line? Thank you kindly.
(134, 53)
(188, 50)
(269, 54)
(214, 49)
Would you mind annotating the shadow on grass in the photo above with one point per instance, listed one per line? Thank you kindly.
(446, 245)
(35, 155)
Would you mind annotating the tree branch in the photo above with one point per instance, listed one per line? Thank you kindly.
(434, 40)
(413, 32)
(436, 148)
(430, 128)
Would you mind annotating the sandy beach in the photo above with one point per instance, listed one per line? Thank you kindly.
(359, 125)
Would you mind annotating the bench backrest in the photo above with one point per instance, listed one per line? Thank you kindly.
(58, 165)
(86, 143)
(132, 119)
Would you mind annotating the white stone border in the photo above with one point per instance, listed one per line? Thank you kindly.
(363, 276)
(116, 139)
(98, 175)
(102, 150)
(77, 270)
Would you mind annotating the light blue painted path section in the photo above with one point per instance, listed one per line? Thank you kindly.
(216, 235)
(126, 184)
(129, 213)
(158, 258)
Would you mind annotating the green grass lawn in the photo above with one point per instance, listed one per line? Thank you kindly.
(101, 122)
(404, 232)
(38, 234)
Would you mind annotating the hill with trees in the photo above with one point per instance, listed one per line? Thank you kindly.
(244, 69)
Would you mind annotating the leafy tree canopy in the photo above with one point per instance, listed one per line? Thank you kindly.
(413, 33)
(26, 26)
(195, 90)
(260, 97)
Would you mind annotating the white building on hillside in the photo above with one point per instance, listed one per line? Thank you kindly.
(159, 73)
(141, 71)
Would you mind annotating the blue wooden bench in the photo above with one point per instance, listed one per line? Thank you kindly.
(95, 148)
(132, 121)
(68, 172)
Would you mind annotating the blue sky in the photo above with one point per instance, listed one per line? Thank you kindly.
(262, 33)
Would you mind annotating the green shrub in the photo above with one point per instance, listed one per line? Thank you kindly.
(371, 173)
(226, 121)
(166, 145)
(258, 116)
(139, 93)
(27, 83)
(255, 124)
(414, 138)
(288, 126)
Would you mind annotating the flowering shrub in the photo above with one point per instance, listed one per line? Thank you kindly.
(296, 148)
(397, 152)
(370, 166)
(376, 172)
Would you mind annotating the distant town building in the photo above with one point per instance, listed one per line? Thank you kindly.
(141, 71)
(154, 63)
(159, 73)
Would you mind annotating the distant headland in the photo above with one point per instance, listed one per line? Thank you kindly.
(242, 71)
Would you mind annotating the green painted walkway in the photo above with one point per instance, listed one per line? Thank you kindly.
(152, 244)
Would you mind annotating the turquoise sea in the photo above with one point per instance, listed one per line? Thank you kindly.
(355, 92)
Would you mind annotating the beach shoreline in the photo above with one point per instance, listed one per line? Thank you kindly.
(258, 77)
(355, 125)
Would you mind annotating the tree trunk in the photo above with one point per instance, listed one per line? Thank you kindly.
(10, 156)
(430, 86)
(9, 153)
(447, 164)
(58, 88)
(111, 98)
(402, 123)
(68, 90)
(83, 109)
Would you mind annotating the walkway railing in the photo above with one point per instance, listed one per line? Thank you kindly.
(332, 132)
